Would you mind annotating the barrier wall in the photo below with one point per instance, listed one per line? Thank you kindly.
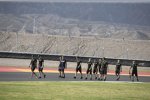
(72, 58)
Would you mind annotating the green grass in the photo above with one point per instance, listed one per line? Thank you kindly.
(74, 91)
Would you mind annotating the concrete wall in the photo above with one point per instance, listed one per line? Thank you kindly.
(20, 55)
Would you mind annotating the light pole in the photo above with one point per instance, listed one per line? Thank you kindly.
(123, 48)
(16, 41)
(127, 52)
(103, 52)
(56, 45)
(43, 42)
(69, 42)
(34, 28)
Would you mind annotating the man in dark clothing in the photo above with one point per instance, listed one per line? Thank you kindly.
(89, 69)
(104, 68)
(133, 68)
(118, 70)
(95, 69)
(62, 66)
(59, 67)
(33, 65)
(78, 68)
(99, 69)
(40, 67)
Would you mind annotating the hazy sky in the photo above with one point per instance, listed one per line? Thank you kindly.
(123, 1)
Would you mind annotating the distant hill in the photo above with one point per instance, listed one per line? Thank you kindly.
(104, 20)
(126, 13)
(56, 25)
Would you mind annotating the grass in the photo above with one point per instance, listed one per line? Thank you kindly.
(74, 91)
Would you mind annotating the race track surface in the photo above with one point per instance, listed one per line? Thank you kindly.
(24, 74)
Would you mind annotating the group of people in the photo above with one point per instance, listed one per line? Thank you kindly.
(33, 65)
(98, 68)
(94, 68)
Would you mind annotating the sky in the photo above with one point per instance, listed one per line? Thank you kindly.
(109, 1)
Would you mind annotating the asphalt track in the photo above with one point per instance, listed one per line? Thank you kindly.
(26, 76)
(15, 73)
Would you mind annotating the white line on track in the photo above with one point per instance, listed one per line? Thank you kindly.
(100, 81)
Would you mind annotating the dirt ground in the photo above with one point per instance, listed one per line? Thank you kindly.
(82, 46)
